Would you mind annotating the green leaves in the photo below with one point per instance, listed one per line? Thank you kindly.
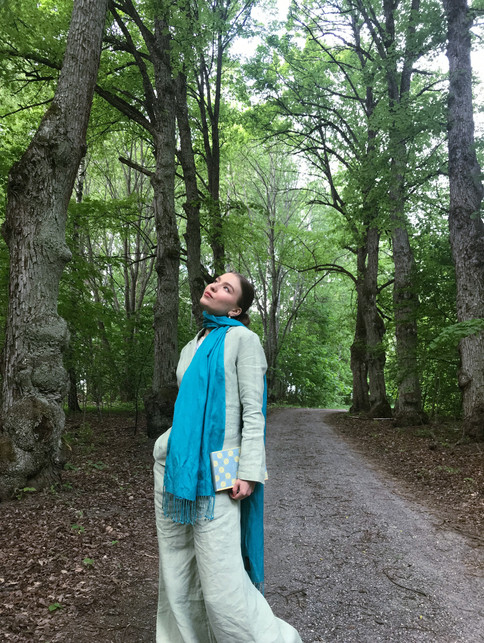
(449, 338)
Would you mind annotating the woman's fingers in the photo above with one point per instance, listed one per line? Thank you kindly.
(242, 489)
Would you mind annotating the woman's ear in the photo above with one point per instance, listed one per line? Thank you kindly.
(235, 312)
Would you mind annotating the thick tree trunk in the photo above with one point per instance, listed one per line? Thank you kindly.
(367, 352)
(408, 407)
(40, 185)
(465, 223)
(359, 364)
(158, 119)
(159, 403)
(375, 330)
(192, 203)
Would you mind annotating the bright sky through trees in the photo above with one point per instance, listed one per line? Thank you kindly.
(245, 48)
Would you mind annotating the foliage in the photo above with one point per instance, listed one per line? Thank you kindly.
(314, 364)
(304, 170)
(451, 335)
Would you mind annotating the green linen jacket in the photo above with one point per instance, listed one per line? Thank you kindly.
(245, 367)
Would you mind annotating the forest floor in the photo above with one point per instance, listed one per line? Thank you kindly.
(78, 562)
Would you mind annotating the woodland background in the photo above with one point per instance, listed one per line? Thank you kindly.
(336, 164)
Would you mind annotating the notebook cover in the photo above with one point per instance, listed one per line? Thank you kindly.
(225, 465)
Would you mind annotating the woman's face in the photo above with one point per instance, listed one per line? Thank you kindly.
(221, 296)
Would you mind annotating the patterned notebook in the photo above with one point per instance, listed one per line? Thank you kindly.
(225, 465)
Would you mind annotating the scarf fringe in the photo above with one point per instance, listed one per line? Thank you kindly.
(187, 512)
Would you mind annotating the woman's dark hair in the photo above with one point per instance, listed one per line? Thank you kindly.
(246, 298)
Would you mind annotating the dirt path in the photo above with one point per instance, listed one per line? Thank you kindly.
(349, 558)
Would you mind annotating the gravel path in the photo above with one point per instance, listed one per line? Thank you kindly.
(350, 559)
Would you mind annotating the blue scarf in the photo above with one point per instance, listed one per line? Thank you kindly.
(188, 492)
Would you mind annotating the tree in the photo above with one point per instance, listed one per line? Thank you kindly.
(146, 46)
(193, 236)
(364, 114)
(107, 291)
(267, 237)
(39, 189)
(465, 221)
(222, 20)
(400, 45)
(328, 106)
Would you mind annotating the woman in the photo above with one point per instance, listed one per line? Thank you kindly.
(207, 540)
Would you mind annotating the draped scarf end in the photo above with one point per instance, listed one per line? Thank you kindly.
(186, 512)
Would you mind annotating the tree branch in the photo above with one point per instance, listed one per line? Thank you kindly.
(136, 166)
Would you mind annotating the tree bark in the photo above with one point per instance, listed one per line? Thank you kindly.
(367, 352)
(465, 222)
(39, 189)
(210, 120)
(192, 203)
(211, 138)
(272, 338)
(72, 395)
(160, 402)
(408, 408)
(360, 399)
(158, 119)
(374, 329)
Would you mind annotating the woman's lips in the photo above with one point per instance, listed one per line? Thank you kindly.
(207, 294)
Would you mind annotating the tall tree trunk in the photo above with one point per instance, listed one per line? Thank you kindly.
(465, 223)
(39, 189)
(408, 407)
(159, 403)
(271, 340)
(158, 119)
(211, 139)
(192, 203)
(367, 351)
(210, 117)
(375, 329)
(72, 395)
(360, 399)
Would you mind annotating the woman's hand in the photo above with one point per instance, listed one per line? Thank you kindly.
(242, 489)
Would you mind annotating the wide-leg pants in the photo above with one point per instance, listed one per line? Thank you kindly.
(205, 594)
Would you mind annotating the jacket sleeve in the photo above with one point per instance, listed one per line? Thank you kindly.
(251, 367)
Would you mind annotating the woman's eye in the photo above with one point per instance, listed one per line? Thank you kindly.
(226, 288)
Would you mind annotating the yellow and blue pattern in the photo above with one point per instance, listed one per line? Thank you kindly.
(225, 465)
